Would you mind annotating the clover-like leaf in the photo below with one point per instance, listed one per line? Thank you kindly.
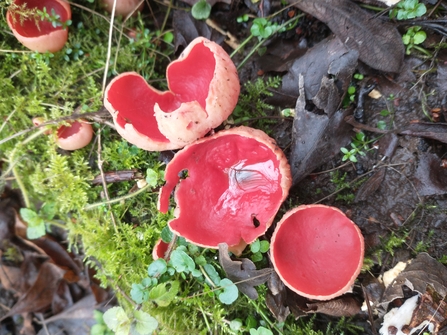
(138, 293)
(212, 274)
(230, 292)
(157, 268)
(144, 323)
(181, 261)
(163, 294)
(116, 319)
(36, 225)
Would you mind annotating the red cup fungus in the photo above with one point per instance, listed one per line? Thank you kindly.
(160, 249)
(233, 185)
(75, 136)
(203, 91)
(36, 34)
(124, 7)
(317, 251)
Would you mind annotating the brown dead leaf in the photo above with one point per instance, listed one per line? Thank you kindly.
(243, 272)
(422, 271)
(40, 295)
(346, 305)
(378, 43)
(430, 177)
(434, 131)
(275, 298)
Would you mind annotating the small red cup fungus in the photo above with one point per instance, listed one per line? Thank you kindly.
(203, 91)
(317, 251)
(160, 249)
(75, 136)
(228, 188)
(36, 34)
(124, 7)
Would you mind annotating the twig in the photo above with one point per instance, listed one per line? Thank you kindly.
(109, 47)
(112, 201)
(104, 184)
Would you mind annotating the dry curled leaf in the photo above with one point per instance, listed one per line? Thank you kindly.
(378, 42)
(243, 272)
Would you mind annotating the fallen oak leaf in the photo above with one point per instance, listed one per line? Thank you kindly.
(243, 272)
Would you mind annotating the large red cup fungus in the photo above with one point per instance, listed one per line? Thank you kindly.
(124, 7)
(233, 185)
(36, 34)
(203, 91)
(317, 251)
(74, 136)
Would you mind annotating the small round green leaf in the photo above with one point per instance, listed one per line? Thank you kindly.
(230, 293)
(201, 10)
(182, 262)
(157, 268)
(115, 317)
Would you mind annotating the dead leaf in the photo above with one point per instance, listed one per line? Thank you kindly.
(371, 185)
(422, 271)
(243, 272)
(329, 58)
(186, 28)
(346, 305)
(276, 296)
(40, 295)
(430, 177)
(317, 138)
(434, 131)
(378, 43)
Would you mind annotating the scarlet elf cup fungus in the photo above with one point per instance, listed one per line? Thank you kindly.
(36, 34)
(203, 91)
(235, 182)
(74, 136)
(317, 251)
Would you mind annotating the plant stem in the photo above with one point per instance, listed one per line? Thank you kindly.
(14, 169)
(112, 201)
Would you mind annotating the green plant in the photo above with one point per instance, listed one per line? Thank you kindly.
(251, 102)
(201, 10)
(100, 328)
(341, 184)
(408, 9)
(53, 18)
(394, 241)
(359, 145)
(413, 37)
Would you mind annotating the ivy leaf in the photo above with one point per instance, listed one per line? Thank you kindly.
(201, 10)
(243, 271)
(157, 268)
(230, 293)
(116, 319)
(144, 323)
(163, 296)
(36, 225)
(182, 262)
(48, 210)
(138, 293)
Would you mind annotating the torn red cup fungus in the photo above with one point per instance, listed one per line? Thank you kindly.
(317, 251)
(160, 249)
(228, 188)
(124, 7)
(203, 91)
(74, 136)
(36, 34)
